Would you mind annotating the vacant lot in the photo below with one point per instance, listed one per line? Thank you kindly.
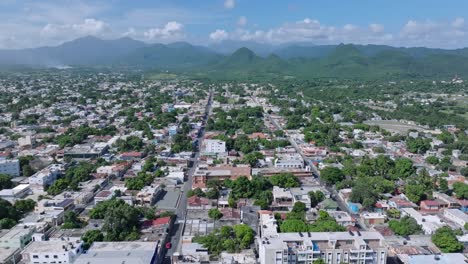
(395, 126)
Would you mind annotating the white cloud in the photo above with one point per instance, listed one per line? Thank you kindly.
(131, 32)
(219, 35)
(350, 27)
(458, 22)
(89, 26)
(229, 4)
(376, 28)
(172, 30)
(242, 21)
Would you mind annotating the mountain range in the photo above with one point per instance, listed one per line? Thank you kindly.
(235, 60)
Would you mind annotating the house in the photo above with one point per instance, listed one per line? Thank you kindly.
(430, 206)
(456, 216)
(343, 218)
(133, 155)
(102, 196)
(446, 201)
(200, 203)
(328, 205)
(463, 205)
(400, 202)
(373, 218)
(282, 199)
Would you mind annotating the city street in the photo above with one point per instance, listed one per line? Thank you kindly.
(181, 211)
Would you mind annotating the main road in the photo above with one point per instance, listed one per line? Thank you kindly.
(181, 211)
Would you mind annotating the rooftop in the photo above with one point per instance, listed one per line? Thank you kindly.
(118, 252)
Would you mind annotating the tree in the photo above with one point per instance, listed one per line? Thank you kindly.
(445, 239)
(215, 214)
(227, 238)
(7, 223)
(71, 220)
(393, 213)
(5, 182)
(464, 171)
(285, 180)
(415, 192)
(90, 237)
(316, 198)
(403, 168)
(252, 158)
(25, 206)
(418, 145)
(432, 160)
(405, 227)
(331, 175)
(461, 190)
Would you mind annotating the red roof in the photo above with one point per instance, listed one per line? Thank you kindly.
(463, 202)
(162, 221)
(158, 221)
(430, 202)
(195, 200)
(132, 154)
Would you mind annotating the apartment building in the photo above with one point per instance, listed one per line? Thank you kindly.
(46, 176)
(214, 146)
(10, 167)
(331, 247)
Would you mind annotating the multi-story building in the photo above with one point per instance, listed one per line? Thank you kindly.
(46, 176)
(17, 237)
(331, 247)
(214, 146)
(10, 167)
(64, 250)
(147, 195)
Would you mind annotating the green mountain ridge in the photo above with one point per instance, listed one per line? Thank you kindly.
(292, 61)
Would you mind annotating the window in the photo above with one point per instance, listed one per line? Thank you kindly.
(46, 256)
(35, 256)
(55, 256)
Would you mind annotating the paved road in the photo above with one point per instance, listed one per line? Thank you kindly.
(181, 211)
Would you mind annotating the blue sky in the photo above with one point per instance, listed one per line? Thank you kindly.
(431, 23)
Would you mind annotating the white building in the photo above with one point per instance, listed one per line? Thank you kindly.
(215, 146)
(10, 167)
(289, 164)
(332, 247)
(429, 223)
(63, 250)
(15, 193)
(26, 141)
(307, 247)
(46, 176)
(343, 218)
(456, 216)
(119, 252)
